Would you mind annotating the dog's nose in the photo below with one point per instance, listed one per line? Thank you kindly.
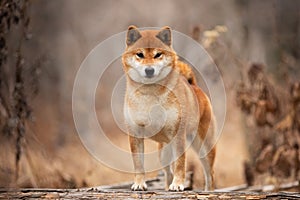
(149, 72)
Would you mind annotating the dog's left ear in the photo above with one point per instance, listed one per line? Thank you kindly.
(165, 35)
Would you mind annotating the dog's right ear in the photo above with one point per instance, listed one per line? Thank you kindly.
(133, 35)
(165, 35)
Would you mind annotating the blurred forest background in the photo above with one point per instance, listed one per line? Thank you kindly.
(255, 44)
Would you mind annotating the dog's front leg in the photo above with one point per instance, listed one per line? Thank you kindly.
(179, 164)
(137, 152)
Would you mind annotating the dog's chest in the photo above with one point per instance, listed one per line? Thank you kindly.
(149, 114)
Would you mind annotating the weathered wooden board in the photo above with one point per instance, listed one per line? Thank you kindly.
(93, 193)
(155, 185)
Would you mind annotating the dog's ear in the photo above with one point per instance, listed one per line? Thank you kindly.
(165, 35)
(133, 35)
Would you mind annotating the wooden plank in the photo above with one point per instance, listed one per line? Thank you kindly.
(127, 194)
(122, 191)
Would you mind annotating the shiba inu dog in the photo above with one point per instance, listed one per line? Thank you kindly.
(164, 103)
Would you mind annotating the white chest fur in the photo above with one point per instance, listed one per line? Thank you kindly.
(147, 115)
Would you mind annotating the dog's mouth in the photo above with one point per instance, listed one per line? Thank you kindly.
(149, 74)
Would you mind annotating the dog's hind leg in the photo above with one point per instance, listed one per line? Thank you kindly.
(207, 165)
(206, 151)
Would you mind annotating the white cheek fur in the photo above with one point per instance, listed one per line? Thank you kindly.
(137, 73)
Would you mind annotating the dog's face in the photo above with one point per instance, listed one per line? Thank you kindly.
(149, 56)
(148, 65)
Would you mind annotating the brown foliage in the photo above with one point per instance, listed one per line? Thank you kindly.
(274, 139)
(14, 108)
(259, 98)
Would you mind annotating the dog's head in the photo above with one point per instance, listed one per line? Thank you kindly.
(149, 56)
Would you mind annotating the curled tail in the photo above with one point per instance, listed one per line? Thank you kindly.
(187, 72)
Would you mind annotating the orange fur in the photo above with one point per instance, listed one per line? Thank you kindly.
(164, 103)
(187, 72)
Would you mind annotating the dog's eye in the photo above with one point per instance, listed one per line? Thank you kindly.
(157, 55)
(140, 55)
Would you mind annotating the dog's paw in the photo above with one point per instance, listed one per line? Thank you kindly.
(139, 186)
(176, 187)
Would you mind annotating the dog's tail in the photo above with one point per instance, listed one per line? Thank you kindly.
(187, 72)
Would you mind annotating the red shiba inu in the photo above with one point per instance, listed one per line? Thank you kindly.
(164, 103)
